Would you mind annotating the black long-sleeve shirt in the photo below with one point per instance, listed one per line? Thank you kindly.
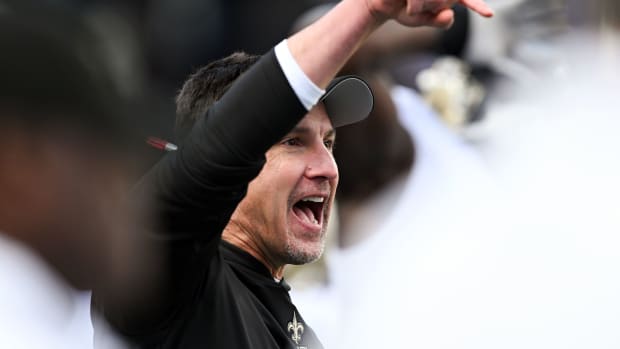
(218, 296)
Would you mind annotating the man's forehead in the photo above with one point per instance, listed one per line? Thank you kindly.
(303, 129)
(317, 116)
(315, 121)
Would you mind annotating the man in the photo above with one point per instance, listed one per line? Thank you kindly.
(250, 188)
(64, 175)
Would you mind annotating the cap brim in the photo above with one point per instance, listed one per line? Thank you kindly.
(348, 99)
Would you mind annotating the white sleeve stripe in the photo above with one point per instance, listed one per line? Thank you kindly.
(307, 92)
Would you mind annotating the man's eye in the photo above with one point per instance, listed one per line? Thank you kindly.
(292, 142)
(329, 144)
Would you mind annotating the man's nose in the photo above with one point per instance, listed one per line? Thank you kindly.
(321, 163)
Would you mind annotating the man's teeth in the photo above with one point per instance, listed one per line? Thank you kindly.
(314, 199)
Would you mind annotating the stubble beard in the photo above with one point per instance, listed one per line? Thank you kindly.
(303, 253)
(298, 255)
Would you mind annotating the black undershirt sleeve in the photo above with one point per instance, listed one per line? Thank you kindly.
(208, 175)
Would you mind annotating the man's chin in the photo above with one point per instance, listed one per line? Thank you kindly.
(299, 256)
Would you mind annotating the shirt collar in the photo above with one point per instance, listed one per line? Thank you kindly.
(240, 258)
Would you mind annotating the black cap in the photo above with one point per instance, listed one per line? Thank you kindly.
(348, 99)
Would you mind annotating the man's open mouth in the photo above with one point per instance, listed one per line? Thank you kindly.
(310, 209)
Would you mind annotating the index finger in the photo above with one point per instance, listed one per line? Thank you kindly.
(478, 6)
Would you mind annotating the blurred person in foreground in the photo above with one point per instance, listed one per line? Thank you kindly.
(250, 188)
(65, 169)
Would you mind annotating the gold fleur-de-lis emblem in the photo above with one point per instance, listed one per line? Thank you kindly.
(297, 328)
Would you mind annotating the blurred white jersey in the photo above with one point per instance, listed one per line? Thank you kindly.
(37, 309)
(556, 146)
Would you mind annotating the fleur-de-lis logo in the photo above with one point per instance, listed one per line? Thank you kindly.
(297, 328)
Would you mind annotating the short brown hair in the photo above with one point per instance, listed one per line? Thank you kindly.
(206, 86)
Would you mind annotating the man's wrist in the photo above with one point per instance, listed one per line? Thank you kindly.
(306, 90)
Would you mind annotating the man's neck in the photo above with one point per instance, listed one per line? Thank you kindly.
(238, 238)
